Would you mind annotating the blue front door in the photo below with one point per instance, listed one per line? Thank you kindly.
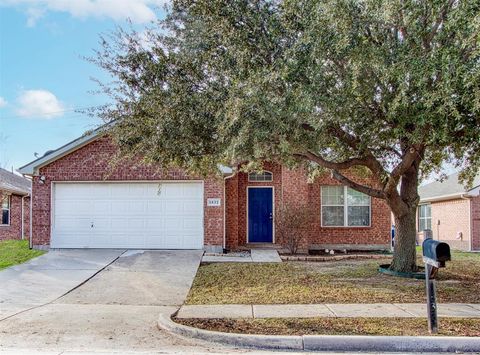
(260, 215)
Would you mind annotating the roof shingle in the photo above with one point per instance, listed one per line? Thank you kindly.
(450, 186)
(14, 183)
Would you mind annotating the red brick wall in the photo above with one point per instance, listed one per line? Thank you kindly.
(14, 230)
(298, 190)
(475, 213)
(454, 217)
(231, 212)
(292, 188)
(93, 163)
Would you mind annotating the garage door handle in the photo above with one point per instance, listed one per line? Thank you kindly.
(91, 225)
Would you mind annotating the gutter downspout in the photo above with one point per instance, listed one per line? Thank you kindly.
(225, 209)
(23, 217)
(30, 239)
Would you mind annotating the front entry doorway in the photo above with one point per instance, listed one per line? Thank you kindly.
(260, 214)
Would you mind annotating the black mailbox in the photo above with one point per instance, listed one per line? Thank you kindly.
(435, 253)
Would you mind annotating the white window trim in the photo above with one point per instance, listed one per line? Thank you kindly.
(264, 171)
(345, 210)
(9, 209)
(424, 218)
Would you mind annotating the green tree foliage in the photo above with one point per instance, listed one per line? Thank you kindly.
(391, 87)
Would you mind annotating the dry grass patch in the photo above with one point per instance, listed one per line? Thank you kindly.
(329, 282)
(337, 326)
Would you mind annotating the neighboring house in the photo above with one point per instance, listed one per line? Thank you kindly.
(452, 212)
(14, 206)
(81, 201)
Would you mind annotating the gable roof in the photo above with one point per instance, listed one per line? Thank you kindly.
(448, 189)
(13, 183)
(32, 168)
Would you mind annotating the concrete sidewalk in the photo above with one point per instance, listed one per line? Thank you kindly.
(255, 256)
(376, 310)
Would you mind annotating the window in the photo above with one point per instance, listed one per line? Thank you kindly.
(344, 207)
(424, 217)
(263, 176)
(5, 210)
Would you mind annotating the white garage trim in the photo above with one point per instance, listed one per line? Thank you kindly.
(94, 216)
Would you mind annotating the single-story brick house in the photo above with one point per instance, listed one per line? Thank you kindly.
(451, 211)
(14, 206)
(80, 201)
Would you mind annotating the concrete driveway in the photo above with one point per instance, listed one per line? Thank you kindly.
(48, 277)
(141, 278)
(116, 310)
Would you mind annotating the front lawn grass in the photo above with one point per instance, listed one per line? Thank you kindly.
(349, 281)
(338, 326)
(14, 252)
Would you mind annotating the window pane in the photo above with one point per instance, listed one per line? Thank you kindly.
(356, 198)
(420, 224)
(6, 202)
(421, 211)
(332, 216)
(5, 218)
(359, 216)
(332, 195)
(428, 223)
(425, 211)
(265, 176)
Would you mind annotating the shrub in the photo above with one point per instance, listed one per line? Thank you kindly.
(291, 226)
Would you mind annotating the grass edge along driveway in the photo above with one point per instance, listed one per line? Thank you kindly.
(13, 252)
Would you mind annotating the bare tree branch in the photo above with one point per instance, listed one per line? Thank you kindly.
(356, 186)
(329, 164)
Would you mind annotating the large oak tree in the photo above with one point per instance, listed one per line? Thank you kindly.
(386, 87)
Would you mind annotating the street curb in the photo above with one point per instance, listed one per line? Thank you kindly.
(277, 342)
(326, 342)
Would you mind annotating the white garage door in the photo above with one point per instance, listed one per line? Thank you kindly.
(128, 215)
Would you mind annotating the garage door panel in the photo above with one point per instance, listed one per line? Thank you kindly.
(74, 207)
(192, 207)
(128, 215)
(170, 191)
(154, 224)
(192, 224)
(100, 206)
(119, 207)
(190, 191)
(155, 207)
(99, 191)
(102, 224)
(72, 224)
(173, 208)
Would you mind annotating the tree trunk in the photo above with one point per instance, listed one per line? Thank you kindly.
(405, 256)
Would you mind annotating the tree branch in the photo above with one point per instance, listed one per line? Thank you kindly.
(361, 188)
(409, 157)
(442, 16)
(329, 164)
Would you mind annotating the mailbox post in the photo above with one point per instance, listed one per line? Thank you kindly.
(435, 254)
